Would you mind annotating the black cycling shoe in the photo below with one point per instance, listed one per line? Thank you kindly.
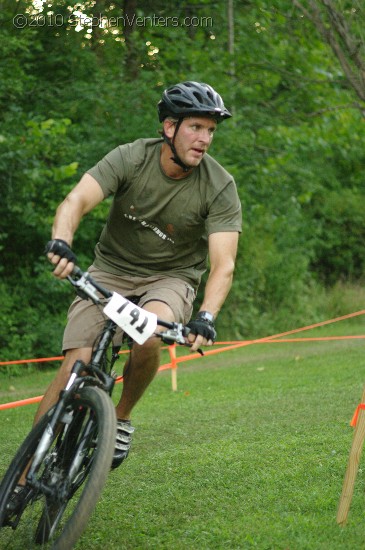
(15, 504)
(123, 442)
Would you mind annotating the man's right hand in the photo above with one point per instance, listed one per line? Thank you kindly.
(60, 254)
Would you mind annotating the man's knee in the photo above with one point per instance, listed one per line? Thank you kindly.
(148, 351)
(153, 344)
(72, 355)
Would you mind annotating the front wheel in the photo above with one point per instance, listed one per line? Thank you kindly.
(67, 485)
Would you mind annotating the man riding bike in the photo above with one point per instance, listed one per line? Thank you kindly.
(173, 206)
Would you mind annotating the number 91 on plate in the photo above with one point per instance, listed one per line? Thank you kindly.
(138, 323)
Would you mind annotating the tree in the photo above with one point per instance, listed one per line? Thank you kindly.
(340, 28)
(81, 82)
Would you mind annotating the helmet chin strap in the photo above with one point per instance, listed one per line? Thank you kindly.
(175, 158)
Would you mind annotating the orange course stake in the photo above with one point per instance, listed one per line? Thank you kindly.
(172, 352)
(358, 422)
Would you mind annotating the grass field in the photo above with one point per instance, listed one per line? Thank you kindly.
(249, 453)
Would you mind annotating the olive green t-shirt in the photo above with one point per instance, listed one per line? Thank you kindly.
(156, 224)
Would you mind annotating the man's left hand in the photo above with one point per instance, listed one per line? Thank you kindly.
(202, 331)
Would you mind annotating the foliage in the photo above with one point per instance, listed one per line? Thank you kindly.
(72, 88)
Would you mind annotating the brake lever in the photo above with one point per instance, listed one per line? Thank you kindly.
(169, 337)
(187, 344)
(199, 350)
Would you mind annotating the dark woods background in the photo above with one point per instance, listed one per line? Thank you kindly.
(293, 74)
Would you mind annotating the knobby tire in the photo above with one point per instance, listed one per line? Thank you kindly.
(46, 522)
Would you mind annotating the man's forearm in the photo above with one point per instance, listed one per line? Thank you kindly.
(216, 290)
(67, 220)
(83, 198)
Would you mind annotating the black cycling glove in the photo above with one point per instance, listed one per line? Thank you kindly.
(203, 326)
(60, 248)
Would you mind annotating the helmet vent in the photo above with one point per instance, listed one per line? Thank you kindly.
(181, 104)
(198, 96)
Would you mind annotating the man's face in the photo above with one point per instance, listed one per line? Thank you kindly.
(193, 138)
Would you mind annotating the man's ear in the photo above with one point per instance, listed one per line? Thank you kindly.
(169, 128)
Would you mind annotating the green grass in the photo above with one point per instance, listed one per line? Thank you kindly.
(249, 453)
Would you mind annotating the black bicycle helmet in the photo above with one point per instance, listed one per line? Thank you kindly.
(192, 98)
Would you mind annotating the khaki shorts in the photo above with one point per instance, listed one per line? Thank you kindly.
(86, 320)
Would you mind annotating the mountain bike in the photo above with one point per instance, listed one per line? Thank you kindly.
(68, 453)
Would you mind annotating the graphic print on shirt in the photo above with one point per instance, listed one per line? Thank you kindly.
(148, 225)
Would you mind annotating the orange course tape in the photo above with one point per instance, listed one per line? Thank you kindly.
(42, 360)
(174, 360)
(21, 403)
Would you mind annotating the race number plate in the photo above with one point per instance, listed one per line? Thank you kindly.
(135, 321)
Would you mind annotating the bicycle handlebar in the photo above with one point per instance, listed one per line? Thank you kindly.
(87, 288)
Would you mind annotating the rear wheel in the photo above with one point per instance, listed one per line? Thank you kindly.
(69, 480)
